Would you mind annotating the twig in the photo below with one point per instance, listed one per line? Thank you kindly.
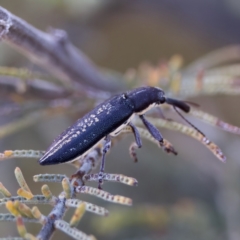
(215, 58)
(58, 211)
(54, 52)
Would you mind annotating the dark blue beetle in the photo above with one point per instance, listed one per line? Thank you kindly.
(106, 120)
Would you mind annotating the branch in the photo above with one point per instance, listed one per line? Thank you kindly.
(218, 57)
(54, 52)
(91, 160)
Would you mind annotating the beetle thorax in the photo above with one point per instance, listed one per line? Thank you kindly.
(145, 98)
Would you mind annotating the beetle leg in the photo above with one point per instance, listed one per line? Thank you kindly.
(136, 144)
(106, 148)
(132, 151)
(152, 129)
(136, 135)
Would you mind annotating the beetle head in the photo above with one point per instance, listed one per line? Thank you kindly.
(144, 98)
(174, 102)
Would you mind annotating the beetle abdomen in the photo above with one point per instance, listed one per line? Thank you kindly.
(88, 131)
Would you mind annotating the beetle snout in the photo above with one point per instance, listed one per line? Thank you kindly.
(179, 104)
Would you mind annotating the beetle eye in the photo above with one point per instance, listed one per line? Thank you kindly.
(161, 97)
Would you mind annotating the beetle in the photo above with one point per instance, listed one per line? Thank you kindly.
(106, 121)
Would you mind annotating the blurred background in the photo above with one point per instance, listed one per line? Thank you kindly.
(191, 196)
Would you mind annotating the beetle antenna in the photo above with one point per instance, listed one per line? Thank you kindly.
(161, 113)
(188, 121)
